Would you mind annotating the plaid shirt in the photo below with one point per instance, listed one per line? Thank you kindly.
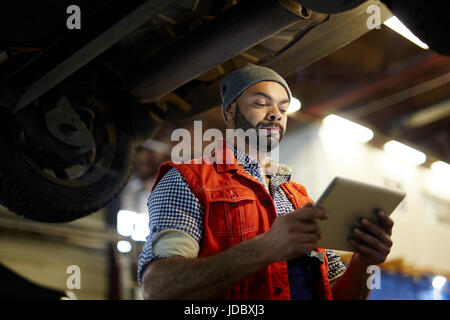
(172, 205)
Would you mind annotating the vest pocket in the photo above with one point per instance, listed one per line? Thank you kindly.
(233, 214)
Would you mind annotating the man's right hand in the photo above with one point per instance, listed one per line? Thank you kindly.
(293, 234)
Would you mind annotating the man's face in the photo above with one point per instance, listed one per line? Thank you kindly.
(261, 106)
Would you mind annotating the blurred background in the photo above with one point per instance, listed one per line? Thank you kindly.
(376, 110)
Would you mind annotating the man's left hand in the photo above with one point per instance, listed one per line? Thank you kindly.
(372, 242)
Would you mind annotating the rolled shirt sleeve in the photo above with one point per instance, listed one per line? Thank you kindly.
(175, 221)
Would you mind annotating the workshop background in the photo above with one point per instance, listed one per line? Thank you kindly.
(383, 81)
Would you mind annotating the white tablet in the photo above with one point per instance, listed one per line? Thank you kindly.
(346, 201)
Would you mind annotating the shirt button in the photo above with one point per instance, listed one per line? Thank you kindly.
(277, 291)
(266, 203)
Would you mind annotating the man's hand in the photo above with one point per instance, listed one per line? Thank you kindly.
(293, 234)
(372, 243)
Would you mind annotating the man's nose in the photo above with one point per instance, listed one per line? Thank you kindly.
(273, 114)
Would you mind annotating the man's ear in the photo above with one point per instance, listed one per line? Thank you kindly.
(230, 112)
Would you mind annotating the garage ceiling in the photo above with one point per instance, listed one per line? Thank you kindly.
(386, 82)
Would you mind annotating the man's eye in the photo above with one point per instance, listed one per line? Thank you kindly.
(260, 104)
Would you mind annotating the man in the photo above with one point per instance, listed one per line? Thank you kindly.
(243, 230)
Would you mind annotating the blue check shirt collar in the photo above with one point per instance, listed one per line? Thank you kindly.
(252, 167)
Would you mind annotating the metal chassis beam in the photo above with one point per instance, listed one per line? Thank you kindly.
(339, 30)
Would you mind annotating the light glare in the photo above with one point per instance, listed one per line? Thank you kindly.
(294, 105)
(347, 128)
(440, 168)
(141, 229)
(124, 246)
(132, 224)
(395, 24)
(439, 282)
(403, 152)
(125, 222)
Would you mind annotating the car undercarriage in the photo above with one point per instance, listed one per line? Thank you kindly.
(75, 103)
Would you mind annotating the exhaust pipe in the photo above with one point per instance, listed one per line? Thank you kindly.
(238, 29)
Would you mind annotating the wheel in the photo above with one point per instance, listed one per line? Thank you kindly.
(37, 186)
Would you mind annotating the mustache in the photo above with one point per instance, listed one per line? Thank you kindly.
(268, 125)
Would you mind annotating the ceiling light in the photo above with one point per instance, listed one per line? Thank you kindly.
(403, 152)
(347, 128)
(294, 105)
(439, 282)
(400, 28)
(441, 168)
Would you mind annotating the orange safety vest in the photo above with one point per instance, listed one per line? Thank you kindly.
(238, 207)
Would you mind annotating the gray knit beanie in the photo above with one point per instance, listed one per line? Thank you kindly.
(235, 83)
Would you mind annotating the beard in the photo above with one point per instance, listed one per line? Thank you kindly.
(268, 141)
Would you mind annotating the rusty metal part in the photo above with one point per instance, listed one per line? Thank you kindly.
(296, 8)
(65, 125)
